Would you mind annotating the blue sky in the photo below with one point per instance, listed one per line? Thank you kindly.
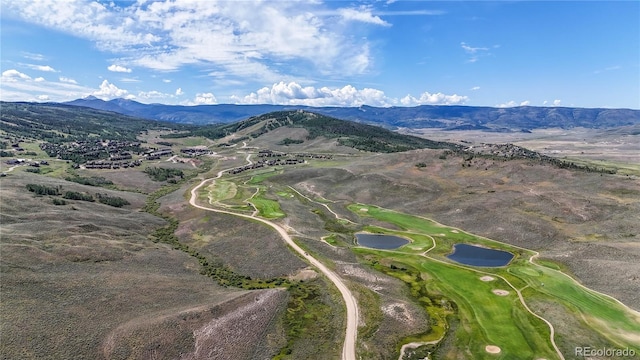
(323, 53)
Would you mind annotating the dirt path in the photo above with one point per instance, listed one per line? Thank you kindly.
(349, 348)
(338, 217)
(11, 168)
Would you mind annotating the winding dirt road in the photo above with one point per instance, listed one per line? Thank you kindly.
(349, 348)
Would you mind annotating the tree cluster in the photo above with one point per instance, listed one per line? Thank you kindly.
(162, 174)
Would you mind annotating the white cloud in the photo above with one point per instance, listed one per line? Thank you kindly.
(118, 68)
(610, 68)
(204, 99)
(43, 97)
(166, 81)
(293, 93)
(110, 91)
(362, 14)
(554, 103)
(67, 80)
(515, 104)
(508, 104)
(33, 56)
(130, 80)
(153, 94)
(427, 98)
(179, 92)
(476, 53)
(14, 75)
(472, 50)
(249, 39)
(475, 88)
(409, 12)
(16, 86)
(45, 68)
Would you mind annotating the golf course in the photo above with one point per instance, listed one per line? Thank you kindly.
(491, 302)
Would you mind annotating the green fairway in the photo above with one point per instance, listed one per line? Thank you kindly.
(490, 311)
(269, 209)
(258, 178)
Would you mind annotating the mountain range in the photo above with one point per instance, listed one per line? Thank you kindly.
(522, 118)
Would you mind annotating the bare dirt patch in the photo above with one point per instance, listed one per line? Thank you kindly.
(399, 312)
(500, 292)
(233, 332)
(304, 275)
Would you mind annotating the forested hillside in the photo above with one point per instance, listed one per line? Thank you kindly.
(56, 123)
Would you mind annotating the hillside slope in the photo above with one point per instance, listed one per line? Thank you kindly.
(62, 123)
(347, 133)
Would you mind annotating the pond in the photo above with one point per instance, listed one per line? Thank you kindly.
(380, 241)
(479, 256)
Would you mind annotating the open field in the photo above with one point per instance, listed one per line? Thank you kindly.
(615, 148)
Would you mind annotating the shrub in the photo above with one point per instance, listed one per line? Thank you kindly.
(57, 201)
(288, 141)
(43, 189)
(91, 181)
(114, 201)
(74, 195)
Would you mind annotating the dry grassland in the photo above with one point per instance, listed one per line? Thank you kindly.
(617, 144)
(247, 247)
(318, 145)
(83, 280)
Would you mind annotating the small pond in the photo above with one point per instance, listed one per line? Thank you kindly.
(479, 256)
(379, 241)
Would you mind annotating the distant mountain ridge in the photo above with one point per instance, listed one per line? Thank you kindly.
(523, 118)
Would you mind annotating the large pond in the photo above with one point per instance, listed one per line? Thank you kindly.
(479, 256)
(378, 241)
